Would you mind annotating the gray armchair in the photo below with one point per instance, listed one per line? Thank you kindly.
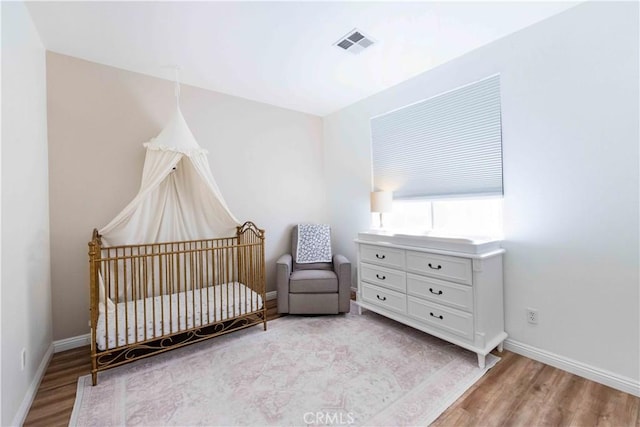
(317, 288)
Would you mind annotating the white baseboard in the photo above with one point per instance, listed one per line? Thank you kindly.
(70, 343)
(272, 295)
(23, 410)
(598, 375)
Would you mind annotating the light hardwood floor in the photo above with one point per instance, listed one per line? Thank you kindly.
(517, 392)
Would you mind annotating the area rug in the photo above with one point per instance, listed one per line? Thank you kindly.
(325, 370)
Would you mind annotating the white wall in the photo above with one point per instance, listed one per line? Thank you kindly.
(266, 160)
(570, 140)
(26, 293)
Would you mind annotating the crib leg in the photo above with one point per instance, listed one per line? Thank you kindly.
(94, 368)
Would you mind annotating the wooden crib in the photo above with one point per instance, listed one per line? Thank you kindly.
(150, 298)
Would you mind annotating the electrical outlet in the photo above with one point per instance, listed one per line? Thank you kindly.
(23, 359)
(532, 315)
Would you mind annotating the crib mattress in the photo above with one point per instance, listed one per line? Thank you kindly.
(162, 315)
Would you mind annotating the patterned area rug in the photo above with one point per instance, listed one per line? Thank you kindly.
(325, 370)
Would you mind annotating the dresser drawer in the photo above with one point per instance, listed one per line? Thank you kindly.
(440, 266)
(391, 300)
(448, 319)
(385, 277)
(380, 255)
(439, 291)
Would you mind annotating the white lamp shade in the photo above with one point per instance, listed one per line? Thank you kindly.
(381, 201)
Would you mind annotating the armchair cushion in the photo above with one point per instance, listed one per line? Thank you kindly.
(313, 266)
(313, 282)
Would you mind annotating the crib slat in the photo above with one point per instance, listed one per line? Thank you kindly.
(143, 283)
(117, 277)
(170, 290)
(193, 289)
(134, 299)
(227, 291)
(182, 281)
(209, 282)
(153, 290)
(107, 294)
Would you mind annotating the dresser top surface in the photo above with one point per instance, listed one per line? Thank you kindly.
(430, 242)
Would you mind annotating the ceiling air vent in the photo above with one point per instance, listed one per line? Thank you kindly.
(355, 41)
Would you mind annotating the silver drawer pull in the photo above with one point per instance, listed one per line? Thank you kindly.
(381, 277)
(435, 293)
(435, 268)
(380, 256)
(437, 317)
(381, 299)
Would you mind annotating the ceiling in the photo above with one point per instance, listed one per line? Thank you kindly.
(280, 53)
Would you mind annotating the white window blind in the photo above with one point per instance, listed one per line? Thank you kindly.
(448, 145)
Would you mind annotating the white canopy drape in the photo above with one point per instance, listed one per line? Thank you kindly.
(178, 197)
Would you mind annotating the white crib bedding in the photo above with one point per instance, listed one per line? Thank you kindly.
(176, 312)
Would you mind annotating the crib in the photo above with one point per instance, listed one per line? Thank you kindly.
(150, 298)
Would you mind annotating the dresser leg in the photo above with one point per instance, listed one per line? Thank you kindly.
(501, 346)
(481, 360)
(359, 310)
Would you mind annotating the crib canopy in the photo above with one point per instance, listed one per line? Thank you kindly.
(178, 197)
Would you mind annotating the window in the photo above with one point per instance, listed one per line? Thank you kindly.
(409, 216)
(475, 217)
(448, 145)
(442, 159)
(449, 217)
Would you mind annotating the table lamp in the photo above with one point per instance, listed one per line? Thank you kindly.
(381, 202)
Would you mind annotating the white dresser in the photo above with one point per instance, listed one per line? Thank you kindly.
(449, 288)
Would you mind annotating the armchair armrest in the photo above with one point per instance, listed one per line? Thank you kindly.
(342, 268)
(340, 262)
(283, 271)
(285, 261)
